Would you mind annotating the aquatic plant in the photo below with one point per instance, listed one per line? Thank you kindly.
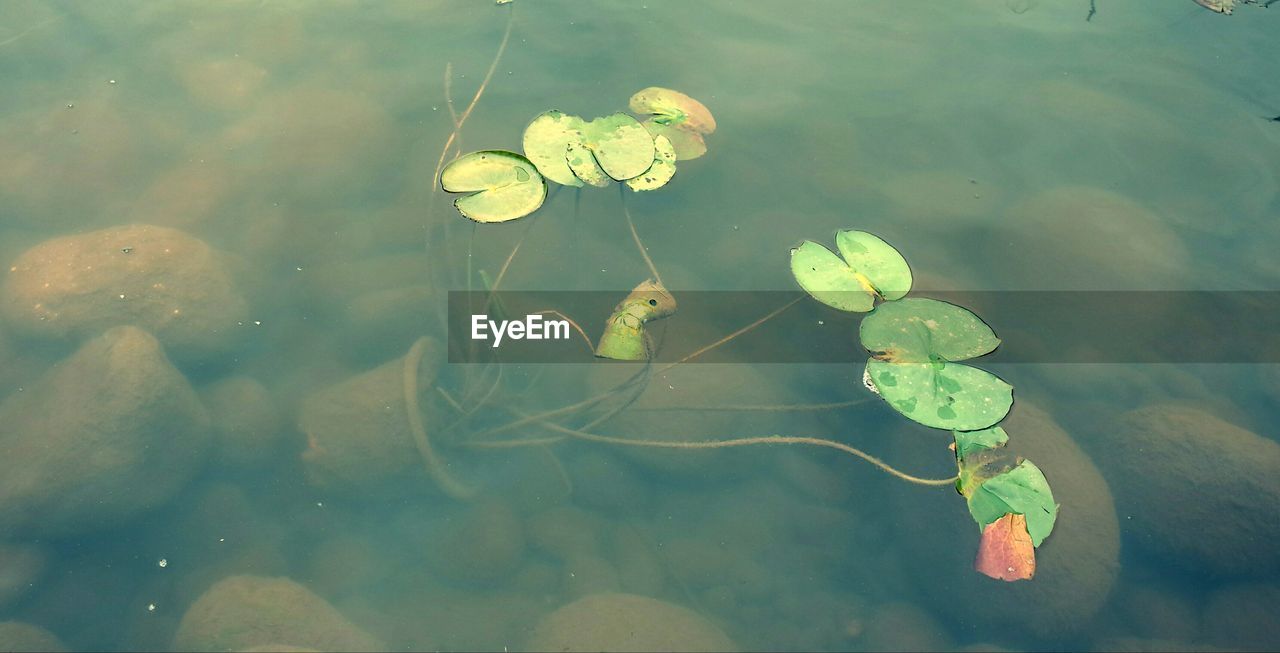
(916, 345)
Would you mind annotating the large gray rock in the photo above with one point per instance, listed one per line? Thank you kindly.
(1197, 491)
(243, 612)
(157, 278)
(1075, 567)
(106, 434)
(17, 637)
(21, 565)
(626, 622)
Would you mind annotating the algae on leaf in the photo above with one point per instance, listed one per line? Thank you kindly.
(503, 185)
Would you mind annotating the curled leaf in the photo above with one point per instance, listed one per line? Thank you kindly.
(1005, 551)
(1022, 490)
(624, 336)
(682, 119)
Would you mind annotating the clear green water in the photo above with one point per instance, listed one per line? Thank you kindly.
(979, 138)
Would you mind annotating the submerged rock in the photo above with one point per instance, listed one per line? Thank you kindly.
(1243, 617)
(243, 612)
(106, 434)
(19, 637)
(358, 430)
(246, 423)
(1197, 491)
(482, 546)
(21, 565)
(1075, 567)
(153, 277)
(626, 622)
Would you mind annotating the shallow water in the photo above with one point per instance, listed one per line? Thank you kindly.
(999, 145)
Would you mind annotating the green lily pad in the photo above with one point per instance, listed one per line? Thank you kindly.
(942, 395)
(878, 261)
(662, 170)
(979, 456)
(918, 330)
(622, 147)
(545, 141)
(503, 185)
(969, 442)
(688, 144)
(584, 166)
(1022, 490)
(852, 283)
(673, 108)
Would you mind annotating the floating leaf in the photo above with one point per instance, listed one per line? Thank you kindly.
(920, 330)
(623, 337)
(1006, 551)
(503, 185)
(545, 142)
(673, 108)
(851, 283)
(979, 456)
(584, 165)
(622, 147)
(970, 442)
(1022, 490)
(942, 395)
(878, 261)
(662, 170)
(687, 144)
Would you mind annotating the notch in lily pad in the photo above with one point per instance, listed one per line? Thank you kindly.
(915, 344)
(503, 185)
(682, 119)
(867, 268)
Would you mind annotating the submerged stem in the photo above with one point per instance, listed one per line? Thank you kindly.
(635, 235)
(742, 442)
(434, 464)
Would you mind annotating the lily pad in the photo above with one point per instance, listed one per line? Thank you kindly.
(1022, 490)
(584, 166)
(878, 261)
(919, 330)
(969, 442)
(503, 185)
(545, 141)
(852, 283)
(942, 395)
(622, 147)
(662, 170)
(673, 108)
(688, 144)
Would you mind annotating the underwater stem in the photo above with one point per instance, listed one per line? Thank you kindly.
(635, 235)
(776, 312)
(742, 442)
(435, 466)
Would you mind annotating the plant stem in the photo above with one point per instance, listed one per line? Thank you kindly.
(434, 464)
(635, 235)
(776, 312)
(742, 442)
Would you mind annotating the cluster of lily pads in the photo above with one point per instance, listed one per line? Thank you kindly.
(572, 151)
(916, 347)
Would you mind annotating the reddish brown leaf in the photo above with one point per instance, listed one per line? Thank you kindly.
(1006, 552)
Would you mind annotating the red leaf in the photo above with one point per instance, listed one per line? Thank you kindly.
(1006, 552)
